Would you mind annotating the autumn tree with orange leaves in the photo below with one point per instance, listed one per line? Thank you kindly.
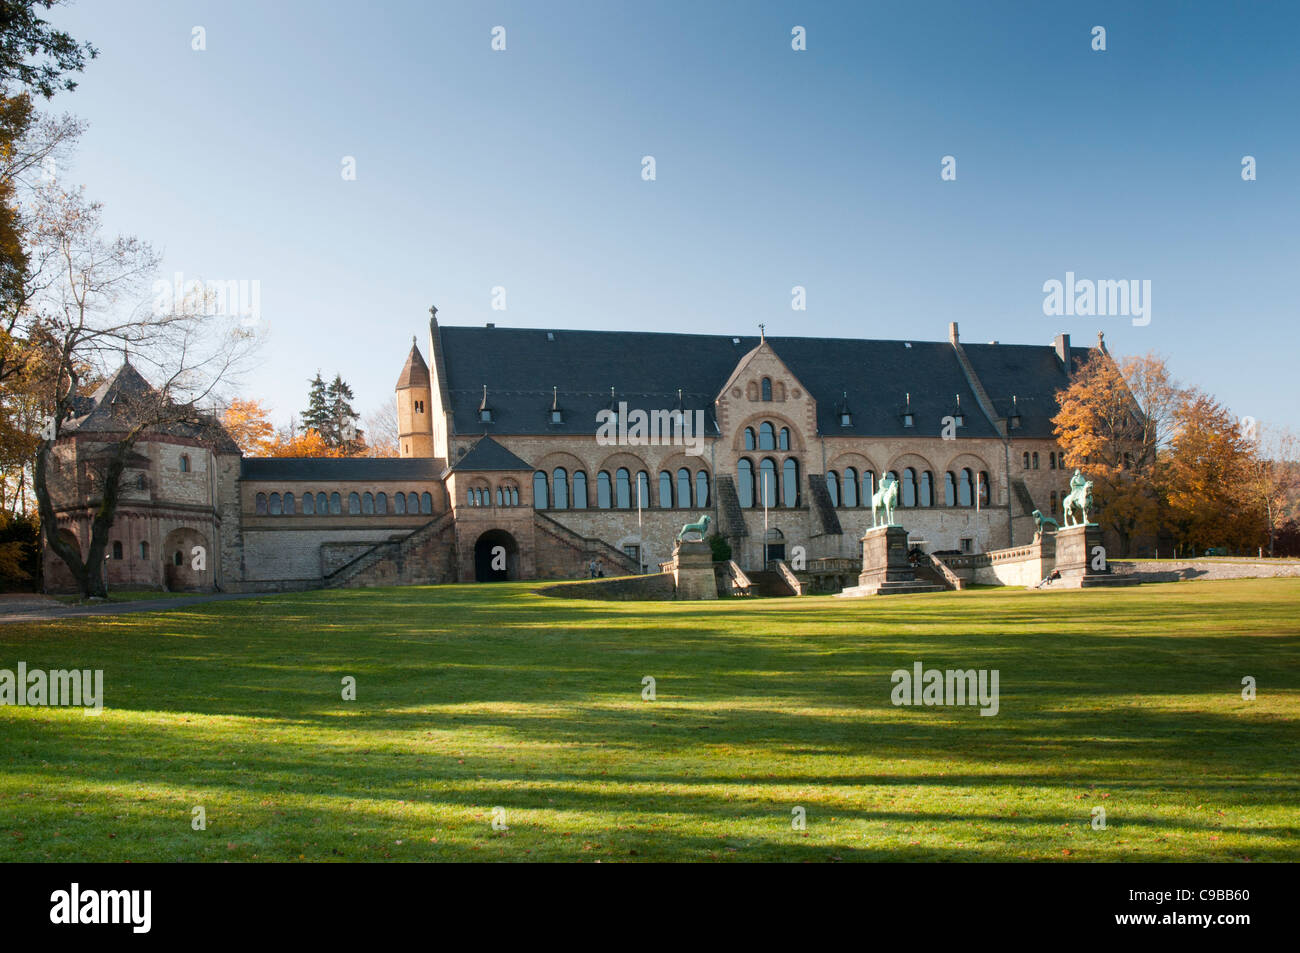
(1208, 478)
(1113, 422)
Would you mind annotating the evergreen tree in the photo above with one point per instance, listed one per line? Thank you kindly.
(344, 432)
(318, 414)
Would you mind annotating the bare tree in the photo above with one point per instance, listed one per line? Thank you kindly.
(1274, 474)
(381, 429)
(91, 315)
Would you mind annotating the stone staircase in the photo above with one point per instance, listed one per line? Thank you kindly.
(819, 500)
(405, 561)
(590, 547)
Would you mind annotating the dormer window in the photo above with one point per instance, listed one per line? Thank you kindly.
(846, 415)
(959, 418)
(846, 419)
(1013, 422)
(557, 415)
(484, 411)
(909, 420)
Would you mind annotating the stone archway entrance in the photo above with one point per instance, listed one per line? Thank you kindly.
(496, 557)
(187, 560)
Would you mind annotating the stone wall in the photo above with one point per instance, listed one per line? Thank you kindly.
(1169, 570)
(655, 587)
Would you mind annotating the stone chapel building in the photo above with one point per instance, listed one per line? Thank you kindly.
(506, 452)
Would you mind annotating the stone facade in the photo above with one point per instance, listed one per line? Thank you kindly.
(483, 496)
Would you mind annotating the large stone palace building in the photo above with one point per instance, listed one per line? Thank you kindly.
(531, 453)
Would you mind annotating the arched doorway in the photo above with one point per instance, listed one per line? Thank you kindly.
(187, 560)
(496, 557)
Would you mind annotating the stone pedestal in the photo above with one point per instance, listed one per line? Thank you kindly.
(1077, 558)
(885, 569)
(692, 569)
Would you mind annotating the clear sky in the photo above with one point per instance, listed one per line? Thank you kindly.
(522, 169)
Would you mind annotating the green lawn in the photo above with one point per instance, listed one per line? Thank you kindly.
(477, 697)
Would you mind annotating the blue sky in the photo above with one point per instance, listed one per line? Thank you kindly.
(522, 169)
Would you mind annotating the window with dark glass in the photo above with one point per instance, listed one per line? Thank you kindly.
(745, 482)
(604, 494)
(541, 492)
(790, 482)
(579, 489)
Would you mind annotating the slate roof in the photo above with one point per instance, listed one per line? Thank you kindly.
(340, 469)
(118, 402)
(520, 366)
(415, 373)
(487, 454)
(1030, 373)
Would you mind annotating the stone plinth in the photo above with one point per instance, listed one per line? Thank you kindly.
(1076, 556)
(692, 569)
(885, 569)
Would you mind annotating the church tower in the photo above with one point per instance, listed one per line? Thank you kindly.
(414, 420)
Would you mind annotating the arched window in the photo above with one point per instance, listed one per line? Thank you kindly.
(177, 558)
(767, 481)
(909, 487)
(745, 482)
(514, 497)
(833, 487)
(276, 505)
(1035, 459)
(766, 436)
(965, 486)
(665, 490)
(683, 487)
(144, 550)
(849, 496)
(926, 497)
(117, 549)
(354, 504)
(560, 486)
(308, 504)
(868, 486)
(642, 489)
(984, 488)
(579, 489)
(1052, 511)
(1051, 460)
(1026, 459)
(949, 489)
(749, 439)
(259, 504)
(336, 504)
(185, 463)
(604, 497)
(288, 504)
(412, 504)
(399, 504)
(783, 439)
(368, 504)
(790, 482)
(381, 503)
(767, 394)
(702, 488)
(426, 504)
(623, 488)
(541, 492)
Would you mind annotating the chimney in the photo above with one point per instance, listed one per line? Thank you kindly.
(952, 332)
(1063, 349)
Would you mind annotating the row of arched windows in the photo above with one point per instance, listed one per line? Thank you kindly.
(915, 488)
(358, 504)
(767, 437)
(769, 485)
(507, 494)
(560, 491)
(1055, 461)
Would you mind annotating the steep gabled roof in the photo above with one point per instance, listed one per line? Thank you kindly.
(122, 400)
(1032, 374)
(520, 366)
(487, 454)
